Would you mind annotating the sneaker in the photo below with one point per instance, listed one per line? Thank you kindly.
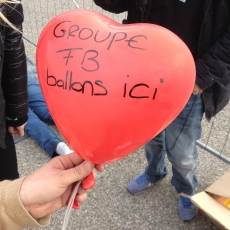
(63, 149)
(139, 184)
(186, 208)
(18, 139)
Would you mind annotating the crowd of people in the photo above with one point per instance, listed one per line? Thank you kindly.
(204, 26)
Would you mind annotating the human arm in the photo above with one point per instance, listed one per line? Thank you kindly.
(14, 73)
(117, 6)
(28, 202)
(13, 215)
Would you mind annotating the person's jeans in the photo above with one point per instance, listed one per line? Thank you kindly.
(37, 102)
(178, 141)
(37, 115)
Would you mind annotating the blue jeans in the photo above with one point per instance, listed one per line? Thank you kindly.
(178, 141)
(37, 115)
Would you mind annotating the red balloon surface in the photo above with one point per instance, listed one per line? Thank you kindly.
(109, 87)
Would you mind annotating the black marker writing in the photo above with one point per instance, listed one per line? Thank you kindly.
(134, 87)
(97, 40)
(131, 40)
(133, 94)
(72, 30)
(88, 63)
(96, 89)
(67, 30)
(85, 33)
(116, 37)
(69, 55)
(63, 31)
(91, 56)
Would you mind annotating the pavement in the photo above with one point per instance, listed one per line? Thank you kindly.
(109, 205)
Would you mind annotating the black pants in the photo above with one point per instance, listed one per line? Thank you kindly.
(8, 160)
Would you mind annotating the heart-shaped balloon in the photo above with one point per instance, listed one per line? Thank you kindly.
(110, 88)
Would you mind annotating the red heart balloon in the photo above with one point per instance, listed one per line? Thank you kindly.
(110, 88)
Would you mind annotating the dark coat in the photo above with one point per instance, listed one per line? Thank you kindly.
(13, 71)
(213, 56)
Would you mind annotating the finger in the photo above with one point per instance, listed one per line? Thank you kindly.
(89, 181)
(100, 167)
(11, 130)
(81, 198)
(68, 161)
(195, 92)
(94, 174)
(77, 173)
(20, 132)
(75, 158)
(81, 190)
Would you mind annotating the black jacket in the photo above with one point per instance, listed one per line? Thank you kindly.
(13, 71)
(213, 55)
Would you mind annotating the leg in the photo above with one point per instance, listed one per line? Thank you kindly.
(37, 101)
(8, 160)
(41, 133)
(156, 153)
(181, 136)
(156, 169)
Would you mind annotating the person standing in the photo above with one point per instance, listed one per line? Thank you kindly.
(28, 201)
(13, 90)
(204, 26)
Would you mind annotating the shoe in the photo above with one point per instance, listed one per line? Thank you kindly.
(63, 149)
(186, 208)
(139, 184)
(18, 139)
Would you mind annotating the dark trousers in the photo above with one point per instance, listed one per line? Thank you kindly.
(8, 160)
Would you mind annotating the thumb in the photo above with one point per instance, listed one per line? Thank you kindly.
(77, 173)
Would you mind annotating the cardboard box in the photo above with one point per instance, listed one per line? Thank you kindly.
(214, 210)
